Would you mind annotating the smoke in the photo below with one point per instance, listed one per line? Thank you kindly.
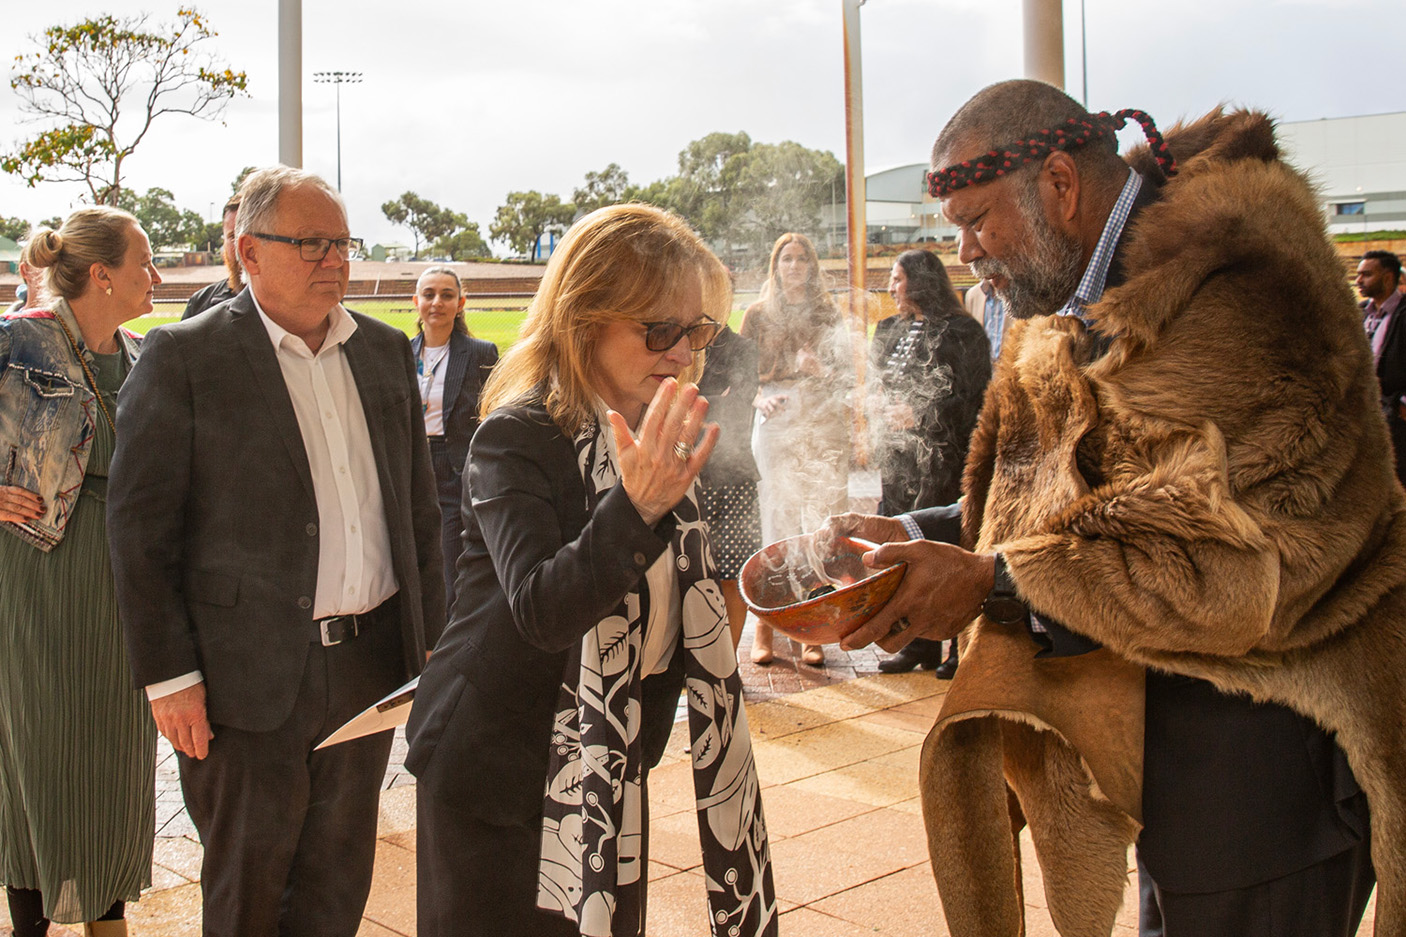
(803, 445)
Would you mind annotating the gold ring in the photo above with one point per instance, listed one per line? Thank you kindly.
(683, 450)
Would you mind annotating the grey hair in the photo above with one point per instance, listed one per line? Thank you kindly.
(258, 195)
(999, 114)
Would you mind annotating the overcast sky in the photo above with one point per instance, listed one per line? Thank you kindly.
(466, 100)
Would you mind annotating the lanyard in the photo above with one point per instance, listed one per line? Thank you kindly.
(426, 376)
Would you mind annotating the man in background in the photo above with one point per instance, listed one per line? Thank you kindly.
(221, 290)
(1383, 313)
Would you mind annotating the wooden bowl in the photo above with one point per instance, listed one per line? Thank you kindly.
(776, 580)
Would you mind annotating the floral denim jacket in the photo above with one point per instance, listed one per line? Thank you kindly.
(47, 415)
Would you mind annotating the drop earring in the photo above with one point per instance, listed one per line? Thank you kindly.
(108, 291)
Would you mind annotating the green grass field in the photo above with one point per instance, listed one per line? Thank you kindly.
(498, 325)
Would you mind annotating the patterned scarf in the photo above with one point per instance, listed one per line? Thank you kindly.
(592, 823)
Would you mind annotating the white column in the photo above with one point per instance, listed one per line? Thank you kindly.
(290, 82)
(1044, 41)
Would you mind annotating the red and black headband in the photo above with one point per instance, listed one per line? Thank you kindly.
(1073, 134)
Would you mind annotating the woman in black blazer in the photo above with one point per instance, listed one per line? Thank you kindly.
(931, 364)
(587, 598)
(451, 366)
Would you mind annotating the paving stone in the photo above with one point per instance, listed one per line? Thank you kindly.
(900, 903)
(790, 811)
(391, 903)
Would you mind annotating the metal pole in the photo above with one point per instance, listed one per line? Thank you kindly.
(1044, 41)
(1084, 52)
(337, 78)
(339, 136)
(290, 82)
(855, 203)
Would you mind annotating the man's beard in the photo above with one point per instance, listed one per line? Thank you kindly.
(1042, 275)
(234, 275)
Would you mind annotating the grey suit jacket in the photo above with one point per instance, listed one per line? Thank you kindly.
(212, 518)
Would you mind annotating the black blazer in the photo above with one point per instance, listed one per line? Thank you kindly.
(950, 370)
(536, 574)
(729, 381)
(470, 360)
(212, 518)
(207, 297)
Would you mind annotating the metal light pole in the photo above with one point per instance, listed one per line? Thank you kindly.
(338, 79)
(1084, 52)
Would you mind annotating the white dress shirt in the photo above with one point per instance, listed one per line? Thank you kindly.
(431, 367)
(354, 571)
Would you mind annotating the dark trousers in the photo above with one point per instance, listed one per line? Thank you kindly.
(450, 487)
(1323, 900)
(290, 833)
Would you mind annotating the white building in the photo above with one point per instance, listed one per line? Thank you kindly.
(1359, 164)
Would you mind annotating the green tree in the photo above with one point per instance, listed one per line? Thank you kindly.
(99, 85)
(239, 179)
(165, 224)
(53, 224)
(780, 187)
(426, 220)
(525, 217)
(464, 243)
(212, 237)
(16, 229)
(610, 186)
(703, 190)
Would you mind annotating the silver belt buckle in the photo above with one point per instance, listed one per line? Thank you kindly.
(327, 639)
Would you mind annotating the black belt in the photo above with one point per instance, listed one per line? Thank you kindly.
(338, 628)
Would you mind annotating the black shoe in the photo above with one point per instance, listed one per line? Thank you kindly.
(917, 653)
(945, 670)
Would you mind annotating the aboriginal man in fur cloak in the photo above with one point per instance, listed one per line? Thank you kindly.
(1182, 559)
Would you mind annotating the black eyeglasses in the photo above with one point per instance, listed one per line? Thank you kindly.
(314, 249)
(661, 336)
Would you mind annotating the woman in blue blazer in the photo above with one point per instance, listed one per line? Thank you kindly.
(451, 366)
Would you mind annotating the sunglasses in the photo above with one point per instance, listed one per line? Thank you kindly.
(661, 336)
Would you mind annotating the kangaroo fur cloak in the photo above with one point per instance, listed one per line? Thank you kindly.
(1214, 496)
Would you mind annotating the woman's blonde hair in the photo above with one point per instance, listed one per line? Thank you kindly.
(816, 293)
(621, 262)
(97, 235)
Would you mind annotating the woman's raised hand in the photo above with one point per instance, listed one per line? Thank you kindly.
(18, 505)
(658, 466)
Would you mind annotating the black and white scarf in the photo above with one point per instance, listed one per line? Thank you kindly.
(592, 823)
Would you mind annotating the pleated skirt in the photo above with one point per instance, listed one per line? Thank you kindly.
(77, 744)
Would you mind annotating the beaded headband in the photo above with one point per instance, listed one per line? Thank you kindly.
(1073, 134)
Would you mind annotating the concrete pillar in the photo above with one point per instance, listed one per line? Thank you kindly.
(1044, 41)
(290, 82)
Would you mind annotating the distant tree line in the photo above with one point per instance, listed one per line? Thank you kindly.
(740, 195)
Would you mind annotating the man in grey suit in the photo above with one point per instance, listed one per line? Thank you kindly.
(275, 540)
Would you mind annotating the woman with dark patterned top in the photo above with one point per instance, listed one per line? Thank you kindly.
(931, 363)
